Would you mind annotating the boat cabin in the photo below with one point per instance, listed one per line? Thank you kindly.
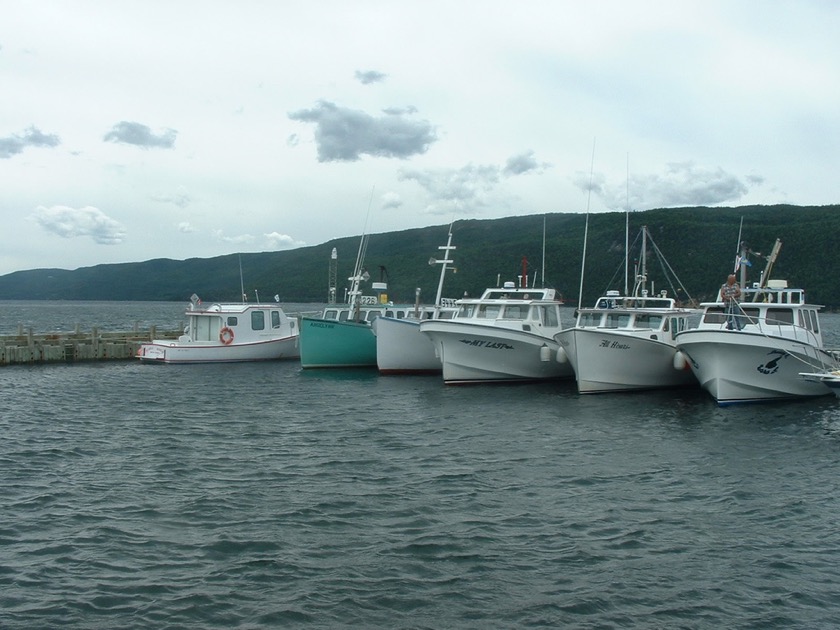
(774, 309)
(657, 315)
(238, 321)
(368, 311)
(512, 307)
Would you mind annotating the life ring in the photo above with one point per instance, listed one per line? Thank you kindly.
(226, 335)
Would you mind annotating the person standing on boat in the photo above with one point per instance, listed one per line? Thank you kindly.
(730, 292)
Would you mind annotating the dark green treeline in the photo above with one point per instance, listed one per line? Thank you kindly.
(699, 243)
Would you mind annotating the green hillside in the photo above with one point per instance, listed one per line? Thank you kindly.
(699, 243)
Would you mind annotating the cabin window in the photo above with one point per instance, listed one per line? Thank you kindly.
(551, 316)
(371, 315)
(714, 315)
(779, 316)
(466, 310)
(206, 328)
(275, 319)
(648, 321)
(808, 319)
(752, 315)
(342, 316)
(589, 319)
(617, 320)
(232, 321)
(489, 311)
(446, 315)
(331, 314)
(516, 311)
(257, 320)
(400, 314)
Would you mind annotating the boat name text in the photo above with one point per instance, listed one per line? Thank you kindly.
(614, 345)
(492, 345)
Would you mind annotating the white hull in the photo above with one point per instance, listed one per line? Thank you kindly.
(743, 366)
(402, 349)
(830, 379)
(472, 353)
(605, 361)
(177, 351)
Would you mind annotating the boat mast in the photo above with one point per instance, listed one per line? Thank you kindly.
(586, 228)
(771, 259)
(241, 281)
(443, 263)
(542, 280)
(627, 231)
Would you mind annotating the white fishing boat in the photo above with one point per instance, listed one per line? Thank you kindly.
(776, 336)
(400, 346)
(830, 379)
(505, 335)
(627, 343)
(220, 332)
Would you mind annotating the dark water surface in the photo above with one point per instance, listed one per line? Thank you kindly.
(259, 495)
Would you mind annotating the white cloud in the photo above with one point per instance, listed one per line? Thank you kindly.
(140, 135)
(276, 240)
(32, 137)
(391, 201)
(69, 222)
(681, 184)
(344, 134)
(240, 239)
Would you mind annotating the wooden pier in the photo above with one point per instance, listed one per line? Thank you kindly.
(28, 347)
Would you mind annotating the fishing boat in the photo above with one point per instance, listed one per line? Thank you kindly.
(628, 342)
(506, 335)
(775, 337)
(400, 346)
(231, 332)
(342, 336)
(829, 379)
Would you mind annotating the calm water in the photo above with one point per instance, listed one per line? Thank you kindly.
(145, 496)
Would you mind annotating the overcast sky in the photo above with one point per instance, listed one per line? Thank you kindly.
(179, 129)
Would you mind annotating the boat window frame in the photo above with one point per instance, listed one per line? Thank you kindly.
(257, 319)
(777, 313)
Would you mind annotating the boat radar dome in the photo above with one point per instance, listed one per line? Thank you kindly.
(509, 285)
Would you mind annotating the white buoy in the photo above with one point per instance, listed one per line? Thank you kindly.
(562, 357)
(680, 362)
(545, 353)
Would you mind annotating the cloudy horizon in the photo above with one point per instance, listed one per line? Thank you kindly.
(139, 131)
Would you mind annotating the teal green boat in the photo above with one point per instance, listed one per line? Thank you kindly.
(342, 336)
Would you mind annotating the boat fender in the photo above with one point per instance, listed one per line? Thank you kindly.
(226, 335)
(545, 353)
(562, 357)
(680, 362)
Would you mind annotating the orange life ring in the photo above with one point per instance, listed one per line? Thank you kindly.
(226, 335)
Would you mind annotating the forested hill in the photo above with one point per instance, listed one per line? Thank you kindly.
(699, 244)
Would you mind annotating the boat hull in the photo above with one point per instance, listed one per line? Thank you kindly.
(739, 367)
(830, 379)
(472, 353)
(402, 349)
(177, 351)
(606, 361)
(326, 343)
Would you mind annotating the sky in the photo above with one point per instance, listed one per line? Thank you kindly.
(131, 131)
